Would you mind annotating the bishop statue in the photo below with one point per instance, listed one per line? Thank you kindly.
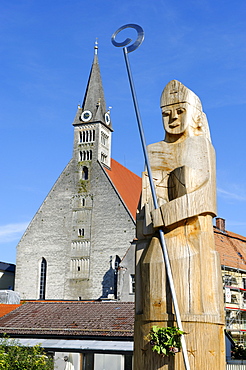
(183, 170)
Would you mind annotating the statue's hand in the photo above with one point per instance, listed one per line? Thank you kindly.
(157, 218)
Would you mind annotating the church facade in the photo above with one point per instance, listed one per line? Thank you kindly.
(76, 240)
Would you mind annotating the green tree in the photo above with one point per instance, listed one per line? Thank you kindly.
(238, 352)
(14, 356)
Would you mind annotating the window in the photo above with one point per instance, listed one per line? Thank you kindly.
(103, 158)
(99, 361)
(226, 279)
(104, 138)
(86, 155)
(234, 298)
(81, 232)
(89, 155)
(230, 280)
(244, 287)
(87, 136)
(228, 319)
(43, 270)
(88, 361)
(243, 318)
(85, 173)
(132, 283)
(108, 361)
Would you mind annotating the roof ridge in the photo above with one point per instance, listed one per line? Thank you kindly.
(230, 234)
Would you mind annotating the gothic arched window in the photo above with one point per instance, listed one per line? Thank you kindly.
(43, 271)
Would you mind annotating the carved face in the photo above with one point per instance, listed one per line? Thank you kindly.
(176, 117)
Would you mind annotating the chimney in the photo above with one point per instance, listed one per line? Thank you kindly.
(220, 223)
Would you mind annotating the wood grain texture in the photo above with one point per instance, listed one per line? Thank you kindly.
(183, 168)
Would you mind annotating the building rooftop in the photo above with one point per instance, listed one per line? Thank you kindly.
(97, 319)
(128, 185)
(10, 267)
(6, 308)
(70, 318)
(231, 247)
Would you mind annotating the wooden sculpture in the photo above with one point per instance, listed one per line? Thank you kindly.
(183, 170)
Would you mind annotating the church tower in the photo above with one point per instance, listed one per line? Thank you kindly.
(72, 247)
(92, 124)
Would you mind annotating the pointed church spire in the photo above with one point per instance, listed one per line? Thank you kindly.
(96, 47)
(94, 107)
(92, 124)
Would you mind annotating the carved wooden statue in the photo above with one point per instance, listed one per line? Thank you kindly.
(183, 169)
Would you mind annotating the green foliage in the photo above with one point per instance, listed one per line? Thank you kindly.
(82, 186)
(14, 356)
(238, 352)
(165, 341)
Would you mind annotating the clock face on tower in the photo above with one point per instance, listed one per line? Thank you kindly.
(107, 118)
(86, 116)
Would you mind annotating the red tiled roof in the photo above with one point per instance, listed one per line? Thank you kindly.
(6, 308)
(232, 248)
(128, 185)
(99, 319)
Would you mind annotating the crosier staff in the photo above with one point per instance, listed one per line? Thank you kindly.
(126, 50)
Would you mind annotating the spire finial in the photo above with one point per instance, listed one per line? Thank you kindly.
(96, 46)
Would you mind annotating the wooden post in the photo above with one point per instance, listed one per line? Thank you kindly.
(183, 168)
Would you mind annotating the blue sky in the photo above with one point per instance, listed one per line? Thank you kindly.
(46, 54)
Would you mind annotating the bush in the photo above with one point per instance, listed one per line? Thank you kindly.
(14, 356)
(165, 341)
(238, 352)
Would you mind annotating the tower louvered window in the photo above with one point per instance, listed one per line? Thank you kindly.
(85, 155)
(87, 136)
